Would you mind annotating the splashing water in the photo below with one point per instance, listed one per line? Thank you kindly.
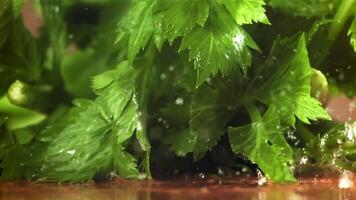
(303, 160)
(350, 131)
(345, 180)
(261, 179)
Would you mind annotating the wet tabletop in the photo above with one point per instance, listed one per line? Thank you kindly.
(184, 188)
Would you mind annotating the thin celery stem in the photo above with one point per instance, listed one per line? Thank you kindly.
(342, 14)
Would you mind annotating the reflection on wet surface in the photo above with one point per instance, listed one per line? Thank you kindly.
(185, 188)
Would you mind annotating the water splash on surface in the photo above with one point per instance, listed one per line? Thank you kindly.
(345, 180)
(261, 179)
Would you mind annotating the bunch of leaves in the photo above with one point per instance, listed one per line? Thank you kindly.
(88, 139)
(175, 76)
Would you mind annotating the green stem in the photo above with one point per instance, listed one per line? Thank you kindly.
(342, 14)
(2, 119)
(147, 71)
(253, 111)
(303, 132)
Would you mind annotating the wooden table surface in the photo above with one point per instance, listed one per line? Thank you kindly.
(190, 189)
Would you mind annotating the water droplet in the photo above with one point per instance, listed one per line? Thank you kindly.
(180, 153)
(139, 126)
(171, 68)
(231, 108)
(220, 171)
(244, 169)
(56, 9)
(165, 123)
(163, 76)
(71, 152)
(239, 40)
(201, 175)
(341, 76)
(179, 101)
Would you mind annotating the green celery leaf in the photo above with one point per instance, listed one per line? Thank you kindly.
(72, 156)
(263, 143)
(102, 80)
(246, 11)
(352, 34)
(158, 37)
(181, 16)
(77, 147)
(23, 136)
(115, 96)
(217, 46)
(137, 27)
(181, 142)
(205, 118)
(285, 82)
(121, 103)
(125, 163)
(90, 139)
